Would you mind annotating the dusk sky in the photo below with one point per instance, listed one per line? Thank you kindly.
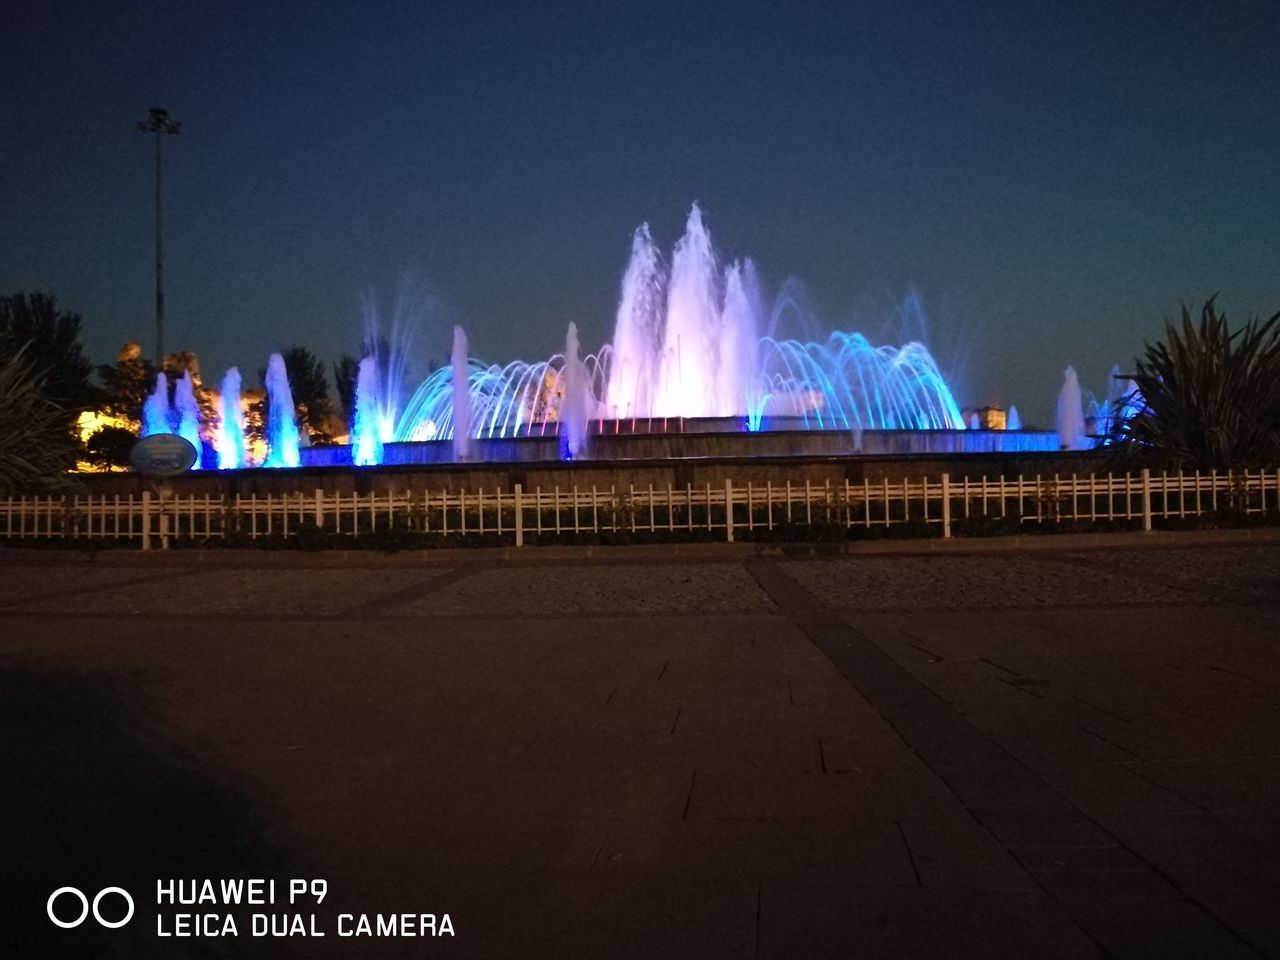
(1052, 178)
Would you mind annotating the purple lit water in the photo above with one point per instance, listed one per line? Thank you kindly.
(1070, 416)
(460, 384)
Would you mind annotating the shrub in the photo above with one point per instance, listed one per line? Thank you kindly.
(1210, 396)
(36, 447)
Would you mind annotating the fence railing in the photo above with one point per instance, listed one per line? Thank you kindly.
(722, 510)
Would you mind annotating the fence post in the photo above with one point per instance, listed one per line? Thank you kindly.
(519, 492)
(728, 511)
(146, 519)
(946, 505)
(319, 509)
(1146, 500)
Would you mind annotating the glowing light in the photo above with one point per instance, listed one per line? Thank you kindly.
(461, 387)
(230, 437)
(1070, 417)
(694, 340)
(188, 414)
(576, 402)
(366, 435)
(282, 423)
(155, 411)
(90, 422)
(690, 344)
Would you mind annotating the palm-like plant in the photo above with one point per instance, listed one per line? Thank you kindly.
(1208, 397)
(36, 448)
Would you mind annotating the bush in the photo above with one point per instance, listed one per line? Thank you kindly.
(36, 447)
(110, 447)
(1209, 397)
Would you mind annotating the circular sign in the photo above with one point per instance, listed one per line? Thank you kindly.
(162, 455)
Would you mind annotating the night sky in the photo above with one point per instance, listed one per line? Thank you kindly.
(1053, 179)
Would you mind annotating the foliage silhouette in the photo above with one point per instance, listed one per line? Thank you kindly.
(1210, 396)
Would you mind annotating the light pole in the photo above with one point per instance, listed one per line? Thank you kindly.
(159, 123)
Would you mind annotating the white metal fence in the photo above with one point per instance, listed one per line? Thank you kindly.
(722, 511)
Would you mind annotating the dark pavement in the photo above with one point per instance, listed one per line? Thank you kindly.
(1053, 753)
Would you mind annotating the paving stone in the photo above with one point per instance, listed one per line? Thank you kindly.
(24, 583)
(254, 590)
(616, 588)
(947, 582)
(986, 756)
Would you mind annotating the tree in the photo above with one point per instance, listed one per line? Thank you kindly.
(36, 448)
(50, 340)
(126, 384)
(345, 372)
(110, 447)
(1207, 397)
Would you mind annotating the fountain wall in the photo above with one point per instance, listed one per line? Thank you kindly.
(817, 468)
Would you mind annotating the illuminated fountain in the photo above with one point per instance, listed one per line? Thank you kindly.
(696, 349)
(576, 400)
(690, 343)
(188, 414)
(388, 343)
(1070, 416)
(366, 434)
(633, 375)
(460, 387)
(182, 418)
(155, 411)
(230, 436)
(282, 425)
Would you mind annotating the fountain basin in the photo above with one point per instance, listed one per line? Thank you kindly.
(700, 438)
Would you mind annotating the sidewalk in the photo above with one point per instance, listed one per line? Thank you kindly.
(652, 753)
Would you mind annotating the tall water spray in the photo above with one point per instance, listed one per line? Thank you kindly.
(739, 340)
(155, 411)
(282, 423)
(691, 345)
(461, 396)
(1013, 421)
(388, 342)
(638, 331)
(575, 399)
(1070, 417)
(690, 360)
(366, 432)
(188, 413)
(230, 436)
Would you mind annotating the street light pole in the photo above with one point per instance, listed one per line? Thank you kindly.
(159, 123)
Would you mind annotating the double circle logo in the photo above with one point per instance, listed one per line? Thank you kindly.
(85, 908)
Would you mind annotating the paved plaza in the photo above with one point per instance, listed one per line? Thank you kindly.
(695, 752)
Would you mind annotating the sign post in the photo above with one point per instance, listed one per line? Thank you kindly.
(163, 455)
